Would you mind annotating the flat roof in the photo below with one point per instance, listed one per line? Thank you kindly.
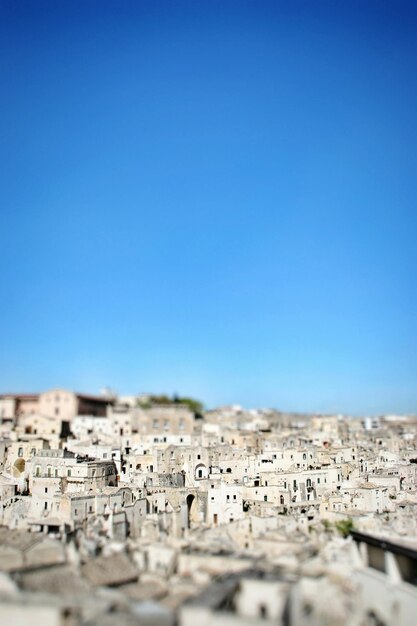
(17, 396)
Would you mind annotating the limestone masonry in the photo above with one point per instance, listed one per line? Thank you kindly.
(122, 511)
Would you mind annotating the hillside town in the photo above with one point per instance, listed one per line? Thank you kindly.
(127, 510)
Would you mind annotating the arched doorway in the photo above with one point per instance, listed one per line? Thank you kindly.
(19, 467)
(200, 471)
(190, 501)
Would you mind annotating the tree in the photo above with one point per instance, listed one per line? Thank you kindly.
(162, 399)
(194, 405)
(344, 527)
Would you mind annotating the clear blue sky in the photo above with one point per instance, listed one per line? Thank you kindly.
(211, 198)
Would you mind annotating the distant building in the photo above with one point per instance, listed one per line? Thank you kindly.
(59, 403)
(12, 404)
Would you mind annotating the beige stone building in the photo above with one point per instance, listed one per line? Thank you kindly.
(58, 403)
(67, 404)
(13, 404)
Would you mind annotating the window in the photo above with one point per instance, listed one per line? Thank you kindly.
(49, 471)
(20, 452)
(69, 472)
(307, 608)
(46, 506)
(265, 498)
(38, 470)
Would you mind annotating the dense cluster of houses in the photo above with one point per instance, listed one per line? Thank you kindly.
(120, 511)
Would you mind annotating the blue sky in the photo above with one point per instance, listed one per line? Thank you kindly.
(211, 198)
